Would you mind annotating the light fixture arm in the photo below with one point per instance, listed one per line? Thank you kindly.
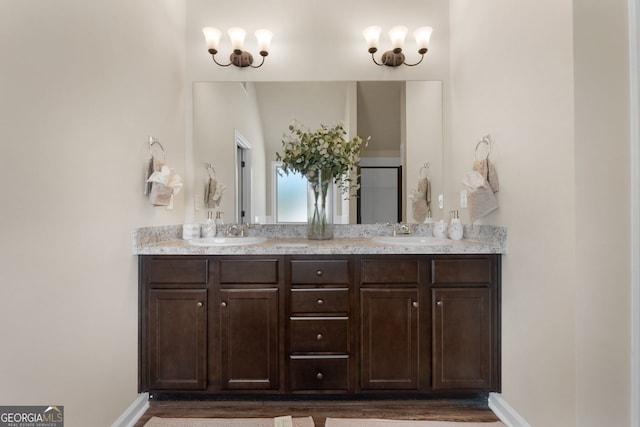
(395, 58)
(239, 59)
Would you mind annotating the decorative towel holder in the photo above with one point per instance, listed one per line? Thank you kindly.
(485, 140)
(154, 141)
(210, 170)
(424, 168)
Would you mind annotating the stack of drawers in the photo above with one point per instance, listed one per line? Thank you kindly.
(319, 342)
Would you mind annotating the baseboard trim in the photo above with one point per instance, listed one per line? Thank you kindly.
(505, 412)
(130, 417)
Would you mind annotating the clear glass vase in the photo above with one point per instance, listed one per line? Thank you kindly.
(320, 207)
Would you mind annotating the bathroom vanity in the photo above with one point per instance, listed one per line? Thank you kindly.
(344, 317)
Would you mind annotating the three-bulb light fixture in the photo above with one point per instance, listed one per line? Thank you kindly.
(395, 57)
(239, 57)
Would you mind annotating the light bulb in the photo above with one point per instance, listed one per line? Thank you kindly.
(264, 41)
(423, 35)
(212, 36)
(397, 35)
(237, 39)
(372, 36)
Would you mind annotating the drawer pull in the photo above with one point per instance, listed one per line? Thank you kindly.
(319, 273)
(319, 375)
(199, 304)
(223, 304)
(319, 337)
(320, 301)
(415, 304)
(439, 303)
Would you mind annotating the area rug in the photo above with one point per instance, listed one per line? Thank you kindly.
(363, 422)
(223, 422)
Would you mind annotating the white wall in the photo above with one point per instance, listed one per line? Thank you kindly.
(220, 109)
(531, 75)
(318, 40)
(602, 213)
(83, 85)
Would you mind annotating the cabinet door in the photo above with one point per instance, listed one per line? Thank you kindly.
(461, 338)
(389, 341)
(249, 339)
(177, 339)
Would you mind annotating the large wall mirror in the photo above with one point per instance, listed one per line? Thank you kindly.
(238, 128)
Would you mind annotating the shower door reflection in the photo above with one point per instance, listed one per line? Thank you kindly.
(379, 195)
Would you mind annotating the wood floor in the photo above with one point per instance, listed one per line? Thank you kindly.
(432, 409)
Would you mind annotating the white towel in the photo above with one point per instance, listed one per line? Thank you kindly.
(488, 172)
(421, 199)
(480, 198)
(164, 185)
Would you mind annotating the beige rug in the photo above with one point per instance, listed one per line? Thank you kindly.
(363, 422)
(223, 422)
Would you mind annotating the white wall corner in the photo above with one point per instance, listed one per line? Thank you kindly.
(130, 417)
(505, 412)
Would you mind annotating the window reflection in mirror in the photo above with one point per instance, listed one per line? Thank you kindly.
(290, 196)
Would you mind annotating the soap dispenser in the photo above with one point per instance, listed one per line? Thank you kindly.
(209, 226)
(219, 222)
(455, 227)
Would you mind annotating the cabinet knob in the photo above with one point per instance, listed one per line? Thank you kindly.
(320, 301)
(439, 303)
(223, 304)
(319, 375)
(199, 304)
(319, 337)
(415, 303)
(319, 273)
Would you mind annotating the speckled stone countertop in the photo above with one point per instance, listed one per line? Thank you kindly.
(348, 239)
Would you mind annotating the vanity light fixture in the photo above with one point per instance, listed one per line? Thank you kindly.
(239, 57)
(395, 57)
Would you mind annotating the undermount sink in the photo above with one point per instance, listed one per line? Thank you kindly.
(411, 240)
(227, 241)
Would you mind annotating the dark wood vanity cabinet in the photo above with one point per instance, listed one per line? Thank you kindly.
(465, 303)
(319, 351)
(391, 324)
(173, 319)
(344, 324)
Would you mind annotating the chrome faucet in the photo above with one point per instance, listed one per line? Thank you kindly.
(235, 230)
(401, 228)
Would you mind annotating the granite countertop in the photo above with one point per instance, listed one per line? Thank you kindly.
(348, 239)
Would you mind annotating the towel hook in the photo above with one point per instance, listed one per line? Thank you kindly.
(486, 140)
(153, 141)
(425, 166)
(210, 169)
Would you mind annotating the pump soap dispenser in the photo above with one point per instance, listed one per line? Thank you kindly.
(209, 227)
(455, 227)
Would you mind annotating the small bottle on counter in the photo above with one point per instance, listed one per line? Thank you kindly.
(209, 226)
(440, 230)
(456, 230)
(219, 222)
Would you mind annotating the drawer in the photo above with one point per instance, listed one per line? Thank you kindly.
(320, 300)
(461, 270)
(389, 271)
(324, 271)
(178, 271)
(319, 335)
(319, 373)
(249, 271)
